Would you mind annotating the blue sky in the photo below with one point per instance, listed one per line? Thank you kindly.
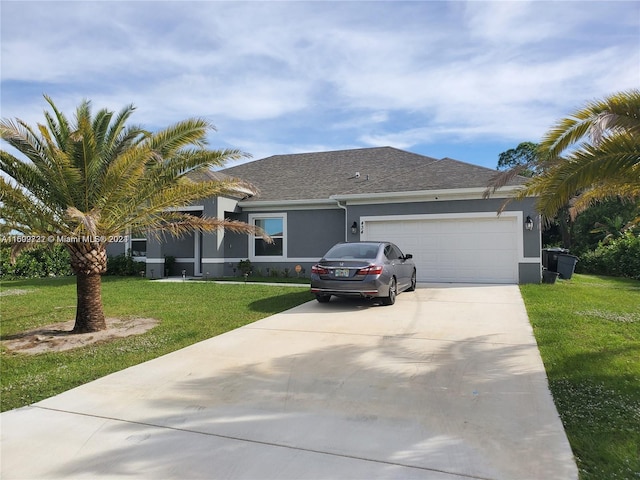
(465, 80)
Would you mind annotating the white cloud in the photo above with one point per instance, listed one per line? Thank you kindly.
(295, 75)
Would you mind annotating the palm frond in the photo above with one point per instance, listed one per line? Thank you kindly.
(616, 157)
(500, 179)
(122, 180)
(121, 137)
(617, 112)
(606, 190)
(58, 126)
(87, 222)
(189, 160)
(149, 201)
(178, 224)
(24, 139)
(23, 213)
(188, 132)
(34, 180)
(590, 151)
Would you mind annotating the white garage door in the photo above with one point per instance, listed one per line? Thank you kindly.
(475, 250)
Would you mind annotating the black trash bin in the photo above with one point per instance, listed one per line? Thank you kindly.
(550, 258)
(566, 265)
(548, 276)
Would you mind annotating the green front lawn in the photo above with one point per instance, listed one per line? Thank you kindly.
(588, 331)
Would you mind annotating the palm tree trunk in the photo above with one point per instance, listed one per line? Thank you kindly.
(89, 312)
(89, 262)
(564, 221)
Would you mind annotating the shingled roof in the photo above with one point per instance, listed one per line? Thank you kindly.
(307, 176)
(204, 175)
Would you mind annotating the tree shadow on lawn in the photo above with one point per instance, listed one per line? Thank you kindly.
(284, 301)
(588, 395)
(39, 282)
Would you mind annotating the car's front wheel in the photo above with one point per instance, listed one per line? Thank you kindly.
(323, 298)
(393, 291)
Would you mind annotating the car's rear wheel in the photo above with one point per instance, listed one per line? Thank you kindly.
(323, 298)
(393, 291)
(412, 285)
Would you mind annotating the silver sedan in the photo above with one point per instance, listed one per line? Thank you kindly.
(363, 269)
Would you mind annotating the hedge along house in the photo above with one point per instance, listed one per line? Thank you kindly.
(433, 209)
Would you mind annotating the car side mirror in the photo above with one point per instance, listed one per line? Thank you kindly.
(408, 256)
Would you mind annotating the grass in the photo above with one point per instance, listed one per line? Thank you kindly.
(588, 332)
(189, 312)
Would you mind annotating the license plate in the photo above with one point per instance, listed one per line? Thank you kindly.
(341, 272)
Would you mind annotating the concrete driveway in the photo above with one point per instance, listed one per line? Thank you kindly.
(446, 384)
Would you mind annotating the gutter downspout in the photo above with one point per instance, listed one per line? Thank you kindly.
(346, 220)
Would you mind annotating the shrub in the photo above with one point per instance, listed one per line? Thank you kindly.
(619, 258)
(124, 266)
(245, 267)
(41, 261)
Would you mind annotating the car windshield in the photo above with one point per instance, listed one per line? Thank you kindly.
(363, 251)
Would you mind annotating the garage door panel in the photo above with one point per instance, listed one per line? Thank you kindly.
(455, 250)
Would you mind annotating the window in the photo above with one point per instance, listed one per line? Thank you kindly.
(275, 226)
(138, 244)
(138, 248)
(392, 252)
(353, 250)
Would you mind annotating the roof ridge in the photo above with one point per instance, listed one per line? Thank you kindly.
(408, 169)
(467, 163)
(343, 150)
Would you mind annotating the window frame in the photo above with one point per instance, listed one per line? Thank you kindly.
(253, 217)
(133, 238)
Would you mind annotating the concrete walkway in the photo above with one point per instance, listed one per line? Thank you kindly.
(447, 384)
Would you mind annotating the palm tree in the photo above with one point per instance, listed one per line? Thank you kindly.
(85, 181)
(591, 155)
(610, 228)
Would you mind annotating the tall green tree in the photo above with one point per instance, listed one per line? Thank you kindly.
(593, 154)
(85, 180)
(524, 159)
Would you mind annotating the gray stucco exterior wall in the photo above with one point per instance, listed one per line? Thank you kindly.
(529, 273)
(155, 259)
(115, 249)
(311, 232)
